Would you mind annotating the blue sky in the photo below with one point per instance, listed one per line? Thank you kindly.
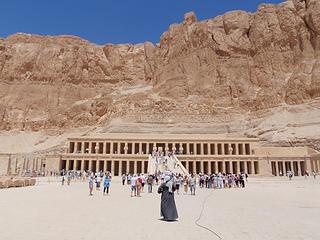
(109, 21)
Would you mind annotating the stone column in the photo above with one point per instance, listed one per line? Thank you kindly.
(67, 165)
(180, 148)
(75, 147)
(243, 148)
(201, 149)
(97, 165)
(120, 168)
(135, 166)
(126, 148)
(308, 164)
(236, 149)
(147, 148)
(127, 167)
(82, 148)
(104, 148)
(299, 168)
(222, 149)
(119, 150)
(215, 148)
(201, 166)
(188, 149)
(166, 148)
(82, 166)
(133, 148)
(111, 148)
(277, 168)
(90, 147)
(223, 166)
(112, 167)
(36, 165)
(187, 166)
(194, 166)
(140, 147)
(245, 168)
(209, 168)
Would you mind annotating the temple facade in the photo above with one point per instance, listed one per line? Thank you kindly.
(198, 153)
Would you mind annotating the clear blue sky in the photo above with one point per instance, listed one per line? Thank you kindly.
(109, 21)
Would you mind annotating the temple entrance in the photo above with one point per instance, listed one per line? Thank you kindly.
(249, 167)
(78, 165)
(101, 166)
(227, 167)
(131, 167)
(116, 168)
(205, 167)
(109, 166)
(256, 168)
(235, 167)
(288, 166)
(86, 165)
(63, 165)
(93, 166)
(213, 167)
(295, 168)
(139, 167)
(190, 164)
(220, 167)
(273, 168)
(302, 167)
(242, 167)
(124, 167)
(198, 167)
(146, 166)
(71, 165)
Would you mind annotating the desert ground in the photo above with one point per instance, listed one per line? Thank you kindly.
(268, 208)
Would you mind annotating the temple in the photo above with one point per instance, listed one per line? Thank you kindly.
(121, 153)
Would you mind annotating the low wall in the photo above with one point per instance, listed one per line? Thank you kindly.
(9, 182)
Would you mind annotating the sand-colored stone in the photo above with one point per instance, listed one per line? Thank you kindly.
(232, 73)
(12, 182)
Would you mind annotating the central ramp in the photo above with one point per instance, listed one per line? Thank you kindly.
(165, 163)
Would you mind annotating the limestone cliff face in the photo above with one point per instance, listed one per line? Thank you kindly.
(239, 61)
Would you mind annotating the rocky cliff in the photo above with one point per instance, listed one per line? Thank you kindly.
(229, 74)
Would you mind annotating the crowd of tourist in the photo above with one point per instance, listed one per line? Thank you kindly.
(183, 183)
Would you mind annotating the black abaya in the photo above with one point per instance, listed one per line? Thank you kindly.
(168, 205)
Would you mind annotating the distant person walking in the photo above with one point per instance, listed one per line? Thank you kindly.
(91, 180)
(106, 184)
(192, 184)
(150, 183)
(123, 179)
(62, 180)
(133, 183)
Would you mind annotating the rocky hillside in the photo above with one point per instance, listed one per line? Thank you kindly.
(229, 74)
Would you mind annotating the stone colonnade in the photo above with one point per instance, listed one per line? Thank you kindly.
(138, 147)
(121, 166)
(298, 167)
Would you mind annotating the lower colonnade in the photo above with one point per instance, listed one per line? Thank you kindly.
(120, 166)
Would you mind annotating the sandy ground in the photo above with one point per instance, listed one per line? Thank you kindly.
(269, 208)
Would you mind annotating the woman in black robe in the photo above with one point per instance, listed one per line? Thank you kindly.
(168, 205)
